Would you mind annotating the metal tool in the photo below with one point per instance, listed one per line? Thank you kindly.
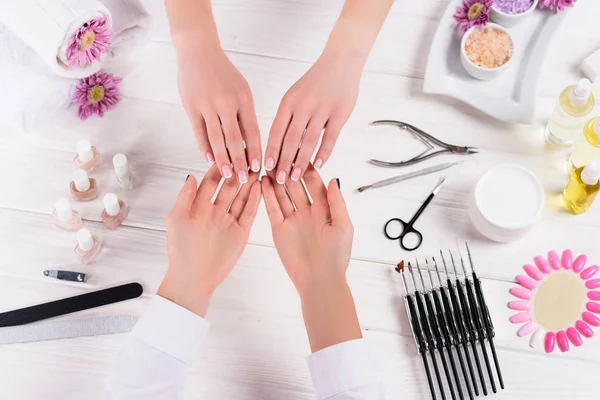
(426, 139)
(71, 276)
(407, 227)
(405, 177)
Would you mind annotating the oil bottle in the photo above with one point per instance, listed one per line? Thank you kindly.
(583, 187)
(587, 148)
(575, 104)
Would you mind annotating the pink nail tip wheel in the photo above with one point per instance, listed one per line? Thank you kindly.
(557, 301)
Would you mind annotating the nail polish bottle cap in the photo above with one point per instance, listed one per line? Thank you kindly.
(84, 151)
(85, 240)
(580, 94)
(591, 173)
(121, 165)
(111, 204)
(81, 179)
(63, 209)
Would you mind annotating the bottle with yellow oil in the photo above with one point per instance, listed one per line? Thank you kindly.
(587, 148)
(583, 187)
(575, 104)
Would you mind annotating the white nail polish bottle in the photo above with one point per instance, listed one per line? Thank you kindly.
(123, 172)
(87, 157)
(64, 217)
(88, 246)
(114, 212)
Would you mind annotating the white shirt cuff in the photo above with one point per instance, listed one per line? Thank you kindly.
(341, 367)
(171, 329)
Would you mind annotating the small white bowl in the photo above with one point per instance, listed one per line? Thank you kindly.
(506, 202)
(509, 20)
(482, 73)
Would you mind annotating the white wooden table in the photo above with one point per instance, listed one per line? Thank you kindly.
(257, 343)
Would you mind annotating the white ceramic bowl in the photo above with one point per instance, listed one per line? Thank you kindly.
(475, 70)
(509, 20)
(506, 202)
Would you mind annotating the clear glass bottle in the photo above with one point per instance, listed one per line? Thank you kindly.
(88, 246)
(123, 172)
(64, 217)
(88, 157)
(83, 188)
(574, 107)
(583, 188)
(587, 148)
(115, 211)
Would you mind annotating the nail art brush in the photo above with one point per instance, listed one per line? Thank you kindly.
(478, 325)
(405, 177)
(415, 326)
(436, 330)
(454, 330)
(428, 335)
(468, 323)
(487, 321)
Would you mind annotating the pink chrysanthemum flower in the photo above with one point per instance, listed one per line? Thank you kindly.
(89, 42)
(97, 94)
(556, 5)
(473, 13)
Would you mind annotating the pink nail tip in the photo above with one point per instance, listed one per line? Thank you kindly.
(533, 272)
(520, 318)
(590, 318)
(589, 272)
(567, 259)
(584, 329)
(542, 264)
(518, 305)
(527, 329)
(594, 295)
(593, 307)
(521, 293)
(574, 337)
(554, 260)
(593, 284)
(579, 263)
(549, 342)
(525, 281)
(562, 341)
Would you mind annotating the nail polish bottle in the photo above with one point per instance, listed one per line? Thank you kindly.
(64, 217)
(114, 212)
(88, 157)
(583, 187)
(88, 246)
(83, 188)
(123, 172)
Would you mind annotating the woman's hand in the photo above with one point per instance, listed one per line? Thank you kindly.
(205, 240)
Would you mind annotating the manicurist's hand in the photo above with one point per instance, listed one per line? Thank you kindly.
(314, 241)
(205, 240)
(215, 96)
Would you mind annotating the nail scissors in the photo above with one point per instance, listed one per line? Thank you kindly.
(426, 139)
(407, 228)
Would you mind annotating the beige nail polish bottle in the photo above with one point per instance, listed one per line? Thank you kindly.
(88, 157)
(83, 188)
(115, 211)
(123, 172)
(64, 217)
(88, 246)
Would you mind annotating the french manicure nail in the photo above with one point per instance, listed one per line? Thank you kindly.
(533, 272)
(554, 260)
(589, 272)
(579, 263)
(270, 164)
(296, 174)
(255, 164)
(520, 318)
(584, 329)
(520, 292)
(567, 259)
(188, 177)
(542, 264)
(550, 342)
(337, 180)
(243, 176)
(562, 341)
(574, 336)
(227, 171)
(318, 163)
(525, 281)
(590, 318)
(593, 284)
(281, 176)
(209, 157)
(518, 305)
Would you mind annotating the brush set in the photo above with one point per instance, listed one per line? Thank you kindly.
(450, 323)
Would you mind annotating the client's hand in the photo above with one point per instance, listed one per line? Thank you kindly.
(205, 240)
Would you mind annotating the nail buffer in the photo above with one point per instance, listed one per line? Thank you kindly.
(67, 329)
(71, 304)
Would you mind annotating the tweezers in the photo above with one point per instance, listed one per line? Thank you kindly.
(426, 139)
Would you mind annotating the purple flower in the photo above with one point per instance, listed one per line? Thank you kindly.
(556, 5)
(97, 94)
(473, 13)
(89, 42)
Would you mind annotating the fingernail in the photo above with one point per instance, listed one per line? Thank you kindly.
(270, 164)
(243, 176)
(209, 157)
(188, 177)
(318, 163)
(337, 180)
(255, 165)
(296, 174)
(226, 170)
(281, 175)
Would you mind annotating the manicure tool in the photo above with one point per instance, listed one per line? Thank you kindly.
(425, 138)
(69, 305)
(70, 276)
(67, 329)
(407, 228)
(411, 175)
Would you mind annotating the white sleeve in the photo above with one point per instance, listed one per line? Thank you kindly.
(345, 371)
(153, 363)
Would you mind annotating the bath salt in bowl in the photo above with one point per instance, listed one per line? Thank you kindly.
(512, 12)
(486, 53)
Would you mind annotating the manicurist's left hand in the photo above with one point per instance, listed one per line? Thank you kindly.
(205, 240)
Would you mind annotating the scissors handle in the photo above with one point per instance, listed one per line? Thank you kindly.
(407, 230)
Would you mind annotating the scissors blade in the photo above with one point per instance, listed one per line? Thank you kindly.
(411, 175)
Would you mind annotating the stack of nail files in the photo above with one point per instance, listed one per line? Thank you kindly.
(451, 313)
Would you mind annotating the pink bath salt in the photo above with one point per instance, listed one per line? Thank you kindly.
(489, 47)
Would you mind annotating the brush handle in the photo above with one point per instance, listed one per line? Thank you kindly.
(421, 348)
(430, 341)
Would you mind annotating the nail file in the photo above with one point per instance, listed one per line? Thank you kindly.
(67, 329)
(71, 304)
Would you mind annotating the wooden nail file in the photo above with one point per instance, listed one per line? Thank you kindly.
(71, 304)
